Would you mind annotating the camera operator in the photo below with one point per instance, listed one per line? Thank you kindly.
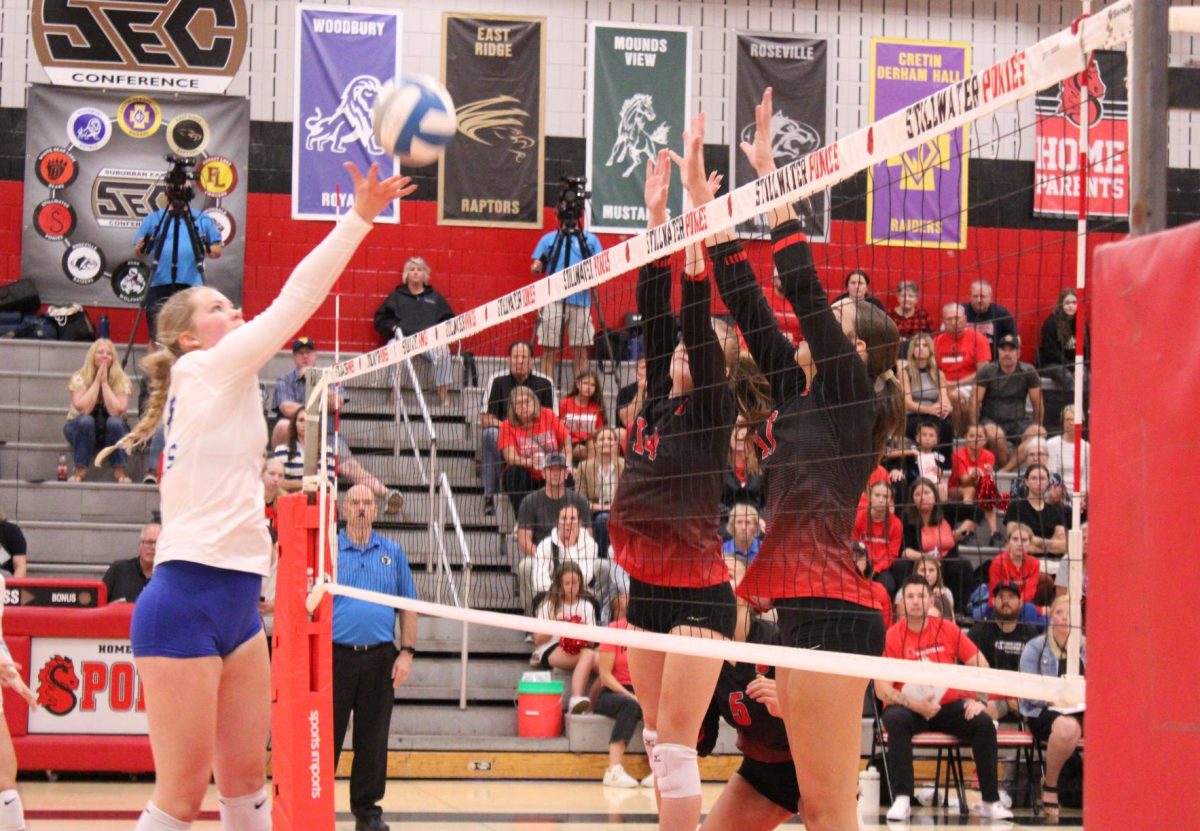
(178, 237)
(559, 249)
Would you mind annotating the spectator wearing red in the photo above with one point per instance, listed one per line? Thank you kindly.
(970, 464)
(960, 351)
(878, 529)
(618, 701)
(581, 413)
(1016, 564)
(910, 318)
(529, 435)
(881, 596)
(930, 529)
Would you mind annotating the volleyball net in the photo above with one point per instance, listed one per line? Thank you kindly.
(461, 533)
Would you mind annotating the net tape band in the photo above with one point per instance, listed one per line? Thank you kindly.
(1001, 682)
(1017, 77)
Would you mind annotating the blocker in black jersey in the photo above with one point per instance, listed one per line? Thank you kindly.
(664, 523)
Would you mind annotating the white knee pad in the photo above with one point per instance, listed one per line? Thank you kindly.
(676, 771)
(153, 819)
(251, 812)
(12, 814)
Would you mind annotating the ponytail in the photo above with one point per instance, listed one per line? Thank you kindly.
(889, 413)
(879, 333)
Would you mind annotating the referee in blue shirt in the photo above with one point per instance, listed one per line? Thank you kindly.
(367, 663)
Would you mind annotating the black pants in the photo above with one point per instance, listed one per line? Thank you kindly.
(902, 724)
(362, 683)
(624, 709)
(156, 296)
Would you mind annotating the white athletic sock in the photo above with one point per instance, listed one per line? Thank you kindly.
(153, 819)
(12, 814)
(251, 812)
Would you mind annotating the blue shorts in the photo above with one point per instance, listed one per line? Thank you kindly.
(189, 610)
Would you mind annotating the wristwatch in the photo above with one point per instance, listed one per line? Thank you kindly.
(409, 649)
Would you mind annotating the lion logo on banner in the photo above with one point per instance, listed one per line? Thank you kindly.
(350, 122)
(499, 118)
(57, 683)
(791, 138)
(633, 143)
(1072, 95)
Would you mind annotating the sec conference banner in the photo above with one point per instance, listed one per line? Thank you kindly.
(639, 94)
(918, 198)
(493, 171)
(343, 59)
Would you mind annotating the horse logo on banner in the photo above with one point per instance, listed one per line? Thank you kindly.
(349, 122)
(633, 143)
(1072, 95)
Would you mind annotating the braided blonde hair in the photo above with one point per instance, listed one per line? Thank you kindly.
(174, 319)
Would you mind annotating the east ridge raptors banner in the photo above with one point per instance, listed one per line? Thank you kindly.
(918, 198)
(639, 97)
(94, 169)
(1056, 163)
(343, 59)
(796, 68)
(493, 171)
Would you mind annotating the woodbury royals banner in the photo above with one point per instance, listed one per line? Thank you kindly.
(796, 68)
(494, 170)
(918, 198)
(639, 97)
(1056, 165)
(343, 59)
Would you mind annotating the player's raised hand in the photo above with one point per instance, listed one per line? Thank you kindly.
(691, 163)
(372, 194)
(658, 186)
(758, 152)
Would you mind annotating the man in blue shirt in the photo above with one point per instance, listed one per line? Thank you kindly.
(367, 664)
(177, 267)
(555, 251)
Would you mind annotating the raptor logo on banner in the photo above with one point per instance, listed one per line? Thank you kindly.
(918, 198)
(639, 90)
(343, 59)
(494, 69)
(1056, 163)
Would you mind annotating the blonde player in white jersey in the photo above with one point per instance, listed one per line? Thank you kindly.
(196, 634)
(12, 812)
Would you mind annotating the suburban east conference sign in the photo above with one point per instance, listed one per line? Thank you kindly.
(169, 45)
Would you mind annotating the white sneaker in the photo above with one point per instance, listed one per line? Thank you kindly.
(900, 810)
(992, 810)
(1005, 799)
(616, 777)
(925, 795)
(579, 704)
(648, 782)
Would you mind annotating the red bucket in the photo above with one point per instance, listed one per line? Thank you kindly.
(539, 709)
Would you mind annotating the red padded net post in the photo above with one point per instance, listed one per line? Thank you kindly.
(301, 679)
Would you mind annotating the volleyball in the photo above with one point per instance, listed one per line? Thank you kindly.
(414, 119)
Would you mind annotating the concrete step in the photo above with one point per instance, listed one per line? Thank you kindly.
(439, 635)
(387, 434)
(412, 719)
(38, 462)
(67, 357)
(41, 389)
(81, 542)
(405, 473)
(79, 501)
(488, 679)
(19, 422)
(495, 590)
(483, 547)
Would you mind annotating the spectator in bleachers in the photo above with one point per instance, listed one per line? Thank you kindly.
(959, 351)
(1056, 353)
(582, 411)
(631, 396)
(1060, 459)
(538, 516)
(497, 392)
(926, 393)
(1017, 461)
(941, 599)
(1062, 732)
(618, 701)
(596, 480)
(272, 479)
(412, 307)
(529, 436)
(879, 592)
(936, 529)
(970, 465)
(1016, 565)
(291, 391)
(567, 600)
(125, 579)
(989, 319)
(1001, 640)
(912, 708)
(742, 483)
(100, 393)
(929, 461)
(290, 454)
(1063, 576)
(880, 531)
(999, 398)
(13, 548)
(909, 316)
(858, 287)
(570, 540)
(744, 529)
(1046, 520)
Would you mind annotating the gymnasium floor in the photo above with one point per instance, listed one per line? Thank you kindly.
(434, 806)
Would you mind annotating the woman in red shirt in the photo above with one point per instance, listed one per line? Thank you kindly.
(581, 413)
(1016, 563)
(880, 530)
(527, 437)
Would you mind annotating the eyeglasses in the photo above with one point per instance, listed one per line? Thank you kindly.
(148, 542)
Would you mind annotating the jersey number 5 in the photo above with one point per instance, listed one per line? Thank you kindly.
(738, 710)
(646, 445)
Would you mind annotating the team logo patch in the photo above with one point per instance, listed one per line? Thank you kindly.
(123, 197)
(224, 221)
(56, 167)
(89, 128)
(188, 134)
(54, 219)
(386, 560)
(130, 280)
(57, 683)
(83, 262)
(217, 177)
(139, 116)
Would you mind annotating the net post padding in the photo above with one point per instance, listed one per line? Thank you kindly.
(1142, 581)
(301, 679)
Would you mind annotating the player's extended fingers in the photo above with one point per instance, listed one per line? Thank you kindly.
(355, 176)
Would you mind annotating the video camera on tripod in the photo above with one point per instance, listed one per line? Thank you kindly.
(179, 195)
(179, 178)
(572, 193)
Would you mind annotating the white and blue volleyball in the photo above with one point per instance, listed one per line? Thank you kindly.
(414, 119)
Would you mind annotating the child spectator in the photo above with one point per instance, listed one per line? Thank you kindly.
(880, 531)
(567, 601)
(581, 413)
(596, 480)
(929, 462)
(1016, 565)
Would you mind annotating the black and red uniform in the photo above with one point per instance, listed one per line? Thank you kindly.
(767, 764)
(664, 523)
(817, 453)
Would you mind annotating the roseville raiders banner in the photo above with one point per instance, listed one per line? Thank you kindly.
(639, 100)
(343, 59)
(94, 169)
(493, 171)
(796, 68)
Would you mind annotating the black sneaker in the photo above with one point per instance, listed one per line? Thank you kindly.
(374, 823)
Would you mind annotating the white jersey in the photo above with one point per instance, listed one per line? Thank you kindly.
(211, 491)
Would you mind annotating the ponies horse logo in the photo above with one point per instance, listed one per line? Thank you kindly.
(633, 143)
(57, 683)
(791, 138)
(500, 118)
(350, 122)
(1072, 95)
